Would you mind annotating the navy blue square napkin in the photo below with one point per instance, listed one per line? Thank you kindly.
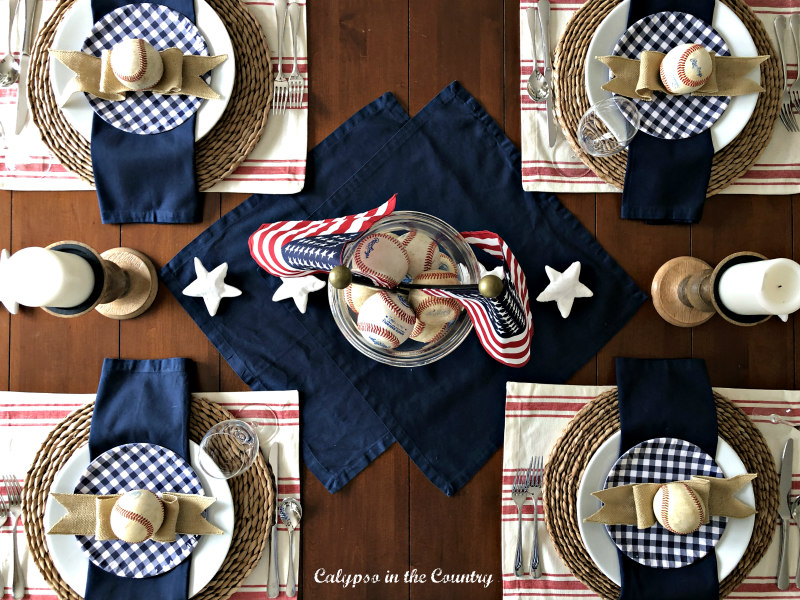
(667, 398)
(453, 161)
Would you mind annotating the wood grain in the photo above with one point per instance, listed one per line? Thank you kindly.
(5, 316)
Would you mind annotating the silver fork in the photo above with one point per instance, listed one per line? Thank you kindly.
(296, 83)
(535, 491)
(786, 114)
(3, 517)
(14, 491)
(794, 25)
(280, 93)
(519, 494)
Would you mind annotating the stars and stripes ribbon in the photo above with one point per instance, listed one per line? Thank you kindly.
(504, 324)
(299, 248)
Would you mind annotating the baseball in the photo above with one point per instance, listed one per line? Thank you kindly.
(386, 320)
(431, 309)
(678, 508)
(429, 333)
(136, 516)
(423, 252)
(355, 295)
(382, 258)
(446, 263)
(136, 64)
(685, 68)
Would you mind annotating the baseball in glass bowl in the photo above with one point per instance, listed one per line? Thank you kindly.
(404, 329)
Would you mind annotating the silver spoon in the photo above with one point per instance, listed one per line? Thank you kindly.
(9, 66)
(290, 512)
(794, 510)
(538, 88)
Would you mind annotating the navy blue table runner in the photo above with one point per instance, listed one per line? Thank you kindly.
(453, 161)
(143, 401)
(667, 398)
(145, 178)
(651, 190)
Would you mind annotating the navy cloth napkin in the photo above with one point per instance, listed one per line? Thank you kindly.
(143, 401)
(652, 192)
(453, 161)
(667, 398)
(145, 178)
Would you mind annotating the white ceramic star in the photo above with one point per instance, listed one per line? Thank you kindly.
(564, 288)
(211, 287)
(6, 296)
(298, 288)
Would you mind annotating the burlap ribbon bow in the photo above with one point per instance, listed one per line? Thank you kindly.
(90, 515)
(182, 74)
(639, 78)
(633, 504)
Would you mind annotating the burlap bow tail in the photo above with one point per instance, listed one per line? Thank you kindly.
(633, 504)
(90, 515)
(639, 78)
(181, 75)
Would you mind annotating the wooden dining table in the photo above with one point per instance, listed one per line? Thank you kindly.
(390, 520)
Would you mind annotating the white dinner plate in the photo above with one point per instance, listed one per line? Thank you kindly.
(725, 22)
(731, 546)
(74, 28)
(209, 554)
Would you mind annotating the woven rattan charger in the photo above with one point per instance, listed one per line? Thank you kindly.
(252, 491)
(593, 425)
(571, 100)
(221, 150)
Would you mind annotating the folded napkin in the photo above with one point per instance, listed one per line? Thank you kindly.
(141, 402)
(536, 415)
(448, 160)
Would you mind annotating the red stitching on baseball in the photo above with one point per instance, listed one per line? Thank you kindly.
(664, 502)
(407, 318)
(435, 338)
(436, 301)
(409, 236)
(381, 331)
(682, 68)
(450, 263)
(137, 518)
(697, 503)
(419, 327)
(364, 269)
(432, 247)
(432, 276)
(142, 64)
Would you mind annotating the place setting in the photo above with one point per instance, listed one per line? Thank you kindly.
(639, 501)
(730, 121)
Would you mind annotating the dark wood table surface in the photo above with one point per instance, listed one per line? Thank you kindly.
(391, 518)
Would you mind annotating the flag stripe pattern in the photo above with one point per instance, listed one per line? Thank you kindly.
(504, 324)
(299, 248)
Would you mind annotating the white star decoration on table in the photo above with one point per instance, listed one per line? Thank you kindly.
(564, 288)
(6, 297)
(210, 286)
(298, 288)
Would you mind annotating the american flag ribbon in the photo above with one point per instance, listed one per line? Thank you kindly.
(299, 248)
(504, 324)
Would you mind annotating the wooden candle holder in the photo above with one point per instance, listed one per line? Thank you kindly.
(685, 291)
(126, 282)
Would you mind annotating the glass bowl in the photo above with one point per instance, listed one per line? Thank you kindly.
(411, 353)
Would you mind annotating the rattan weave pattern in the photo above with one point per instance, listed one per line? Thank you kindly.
(221, 150)
(571, 100)
(253, 498)
(593, 425)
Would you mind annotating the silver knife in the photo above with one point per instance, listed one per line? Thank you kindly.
(784, 490)
(544, 23)
(273, 574)
(24, 60)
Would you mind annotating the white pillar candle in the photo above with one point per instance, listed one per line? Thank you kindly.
(42, 277)
(766, 287)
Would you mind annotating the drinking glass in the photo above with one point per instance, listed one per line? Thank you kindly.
(608, 126)
(228, 449)
(264, 422)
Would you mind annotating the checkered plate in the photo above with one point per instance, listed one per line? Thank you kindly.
(662, 460)
(146, 113)
(667, 116)
(131, 467)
